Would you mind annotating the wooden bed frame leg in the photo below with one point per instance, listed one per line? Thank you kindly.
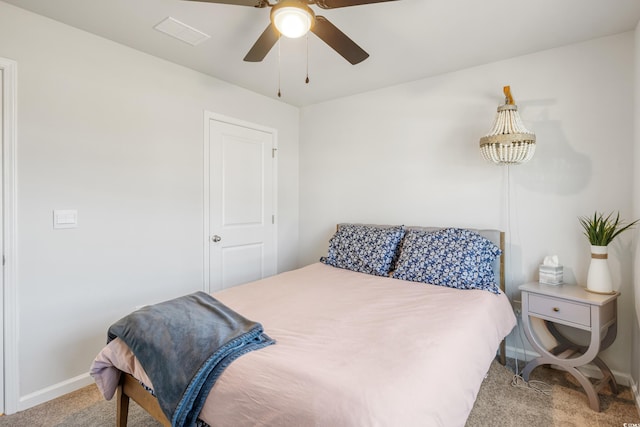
(503, 353)
(130, 388)
(122, 407)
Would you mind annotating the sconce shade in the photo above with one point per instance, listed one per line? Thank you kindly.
(508, 142)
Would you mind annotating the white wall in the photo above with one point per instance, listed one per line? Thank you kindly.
(635, 355)
(117, 135)
(409, 154)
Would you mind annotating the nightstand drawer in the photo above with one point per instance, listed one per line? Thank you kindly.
(560, 309)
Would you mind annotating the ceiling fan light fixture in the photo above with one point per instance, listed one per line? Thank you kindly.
(292, 19)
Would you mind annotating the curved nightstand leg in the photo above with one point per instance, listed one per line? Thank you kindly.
(607, 375)
(592, 394)
(531, 366)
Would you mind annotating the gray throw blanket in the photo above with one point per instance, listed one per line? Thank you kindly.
(184, 345)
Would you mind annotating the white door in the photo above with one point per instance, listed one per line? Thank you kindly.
(9, 381)
(241, 210)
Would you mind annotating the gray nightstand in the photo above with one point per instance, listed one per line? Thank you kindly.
(573, 306)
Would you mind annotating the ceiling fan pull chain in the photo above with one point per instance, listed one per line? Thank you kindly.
(307, 79)
(279, 94)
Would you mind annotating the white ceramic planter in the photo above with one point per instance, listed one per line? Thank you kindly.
(599, 276)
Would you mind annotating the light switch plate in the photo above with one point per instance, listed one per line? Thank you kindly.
(67, 218)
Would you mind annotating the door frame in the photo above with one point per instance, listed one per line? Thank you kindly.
(208, 115)
(9, 344)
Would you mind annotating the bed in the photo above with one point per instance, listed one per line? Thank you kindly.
(352, 348)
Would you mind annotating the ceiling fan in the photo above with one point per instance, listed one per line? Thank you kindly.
(294, 18)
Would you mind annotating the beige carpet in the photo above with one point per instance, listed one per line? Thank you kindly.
(498, 404)
(83, 408)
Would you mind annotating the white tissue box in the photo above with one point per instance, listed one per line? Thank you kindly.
(550, 275)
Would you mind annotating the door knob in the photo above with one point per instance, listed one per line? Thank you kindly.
(215, 238)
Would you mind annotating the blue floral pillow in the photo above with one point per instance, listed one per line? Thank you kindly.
(451, 257)
(364, 248)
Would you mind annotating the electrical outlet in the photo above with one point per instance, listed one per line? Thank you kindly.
(517, 307)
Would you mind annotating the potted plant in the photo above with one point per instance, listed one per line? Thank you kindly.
(601, 230)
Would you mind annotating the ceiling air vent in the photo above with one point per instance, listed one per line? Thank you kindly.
(181, 31)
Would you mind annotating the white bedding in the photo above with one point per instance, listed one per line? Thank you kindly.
(352, 350)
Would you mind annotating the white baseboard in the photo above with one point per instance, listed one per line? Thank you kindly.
(48, 393)
(636, 394)
(589, 370)
(520, 353)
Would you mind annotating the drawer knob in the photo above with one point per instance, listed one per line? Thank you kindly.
(556, 309)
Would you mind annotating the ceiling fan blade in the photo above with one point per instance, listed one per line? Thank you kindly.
(332, 4)
(336, 39)
(252, 3)
(263, 45)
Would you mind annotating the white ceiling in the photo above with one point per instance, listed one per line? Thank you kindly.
(407, 39)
